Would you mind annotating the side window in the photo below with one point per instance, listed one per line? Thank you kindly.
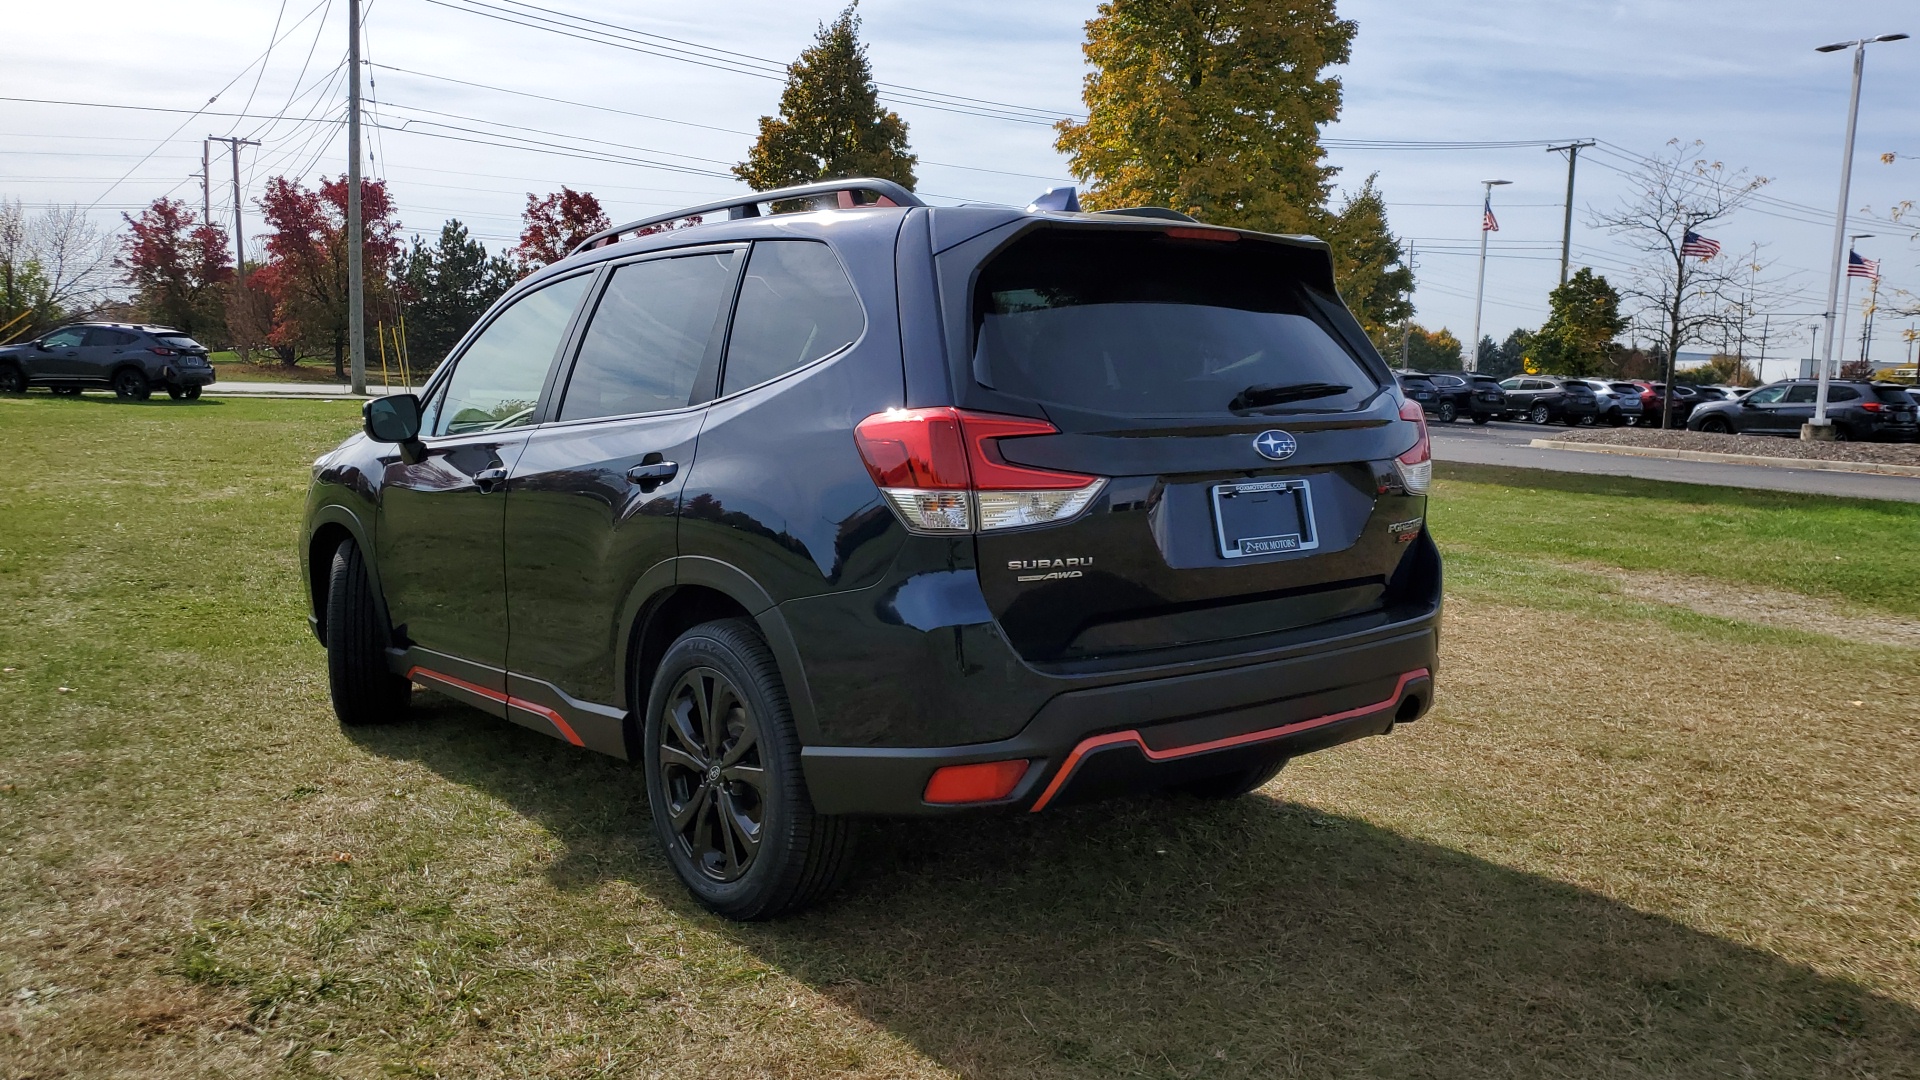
(69, 338)
(1802, 394)
(1510, 384)
(100, 335)
(1767, 396)
(796, 306)
(1842, 393)
(650, 335)
(496, 381)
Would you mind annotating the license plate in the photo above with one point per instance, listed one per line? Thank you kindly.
(1265, 517)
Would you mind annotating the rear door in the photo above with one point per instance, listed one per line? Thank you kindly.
(594, 501)
(442, 516)
(102, 351)
(1245, 429)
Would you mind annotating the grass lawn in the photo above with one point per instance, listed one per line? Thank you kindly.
(229, 366)
(1635, 838)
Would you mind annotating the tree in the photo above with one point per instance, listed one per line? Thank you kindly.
(1677, 195)
(177, 267)
(306, 268)
(831, 124)
(1428, 350)
(1510, 358)
(54, 267)
(447, 287)
(552, 227)
(1583, 317)
(1210, 107)
(1368, 265)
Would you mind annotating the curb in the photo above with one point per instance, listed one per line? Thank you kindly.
(1733, 459)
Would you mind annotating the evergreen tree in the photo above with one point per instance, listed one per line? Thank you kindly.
(1367, 264)
(1583, 317)
(1211, 107)
(831, 124)
(447, 287)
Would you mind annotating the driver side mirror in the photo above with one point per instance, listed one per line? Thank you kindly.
(394, 418)
(1749, 403)
(43, 346)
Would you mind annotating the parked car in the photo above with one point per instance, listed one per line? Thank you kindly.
(1419, 388)
(131, 359)
(1707, 393)
(1618, 402)
(1859, 410)
(1542, 399)
(1653, 397)
(1467, 393)
(890, 509)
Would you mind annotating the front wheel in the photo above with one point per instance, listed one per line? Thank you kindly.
(364, 691)
(1715, 425)
(129, 384)
(1446, 412)
(722, 762)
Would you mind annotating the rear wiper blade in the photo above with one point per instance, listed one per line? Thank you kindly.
(1263, 394)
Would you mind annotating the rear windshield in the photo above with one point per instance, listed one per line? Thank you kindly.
(1142, 324)
(1893, 395)
(178, 341)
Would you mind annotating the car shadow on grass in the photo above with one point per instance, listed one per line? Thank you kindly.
(1171, 937)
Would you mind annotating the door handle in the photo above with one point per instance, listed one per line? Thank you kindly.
(489, 479)
(653, 473)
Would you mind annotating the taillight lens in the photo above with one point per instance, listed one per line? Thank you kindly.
(943, 472)
(1416, 465)
(161, 350)
(1870, 406)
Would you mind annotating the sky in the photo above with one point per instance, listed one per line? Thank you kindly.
(655, 125)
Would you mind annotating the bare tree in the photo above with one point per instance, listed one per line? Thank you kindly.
(1689, 296)
(54, 265)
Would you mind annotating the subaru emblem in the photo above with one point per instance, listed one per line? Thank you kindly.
(1275, 445)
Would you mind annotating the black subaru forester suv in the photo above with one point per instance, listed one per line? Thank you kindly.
(826, 503)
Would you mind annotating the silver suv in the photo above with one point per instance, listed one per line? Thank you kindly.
(1619, 402)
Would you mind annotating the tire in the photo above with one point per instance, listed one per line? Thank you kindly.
(1715, 425)
(1235, 784)
(176, 392)
(1617, 418)
(1840, 432)
(364, 692)
(1482, 419)
(130, 384)
(1539, 414)
(791, 856)
(191, 393)
(12, 379)
(1446, 413)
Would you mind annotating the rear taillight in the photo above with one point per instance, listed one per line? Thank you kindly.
(943, 472)
(1870, 406)
(161, 350)
(1416, 465)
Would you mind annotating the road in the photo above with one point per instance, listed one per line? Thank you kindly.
(1507, 444)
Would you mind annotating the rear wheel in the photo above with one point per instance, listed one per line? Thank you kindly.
(1445, 413)
(1617, 418)
(191, 393)
(1539, 414)
(131, 385)
(12, 379)
(1840, 432)
(1234, 784)
(176, 392)
(730, 805)
(1482, 419)
(364, 691)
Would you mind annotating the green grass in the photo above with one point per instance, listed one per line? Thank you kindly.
(1573, 867)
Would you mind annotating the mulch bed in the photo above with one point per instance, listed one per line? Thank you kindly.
(1762, 445)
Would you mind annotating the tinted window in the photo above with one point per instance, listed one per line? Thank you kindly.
(796, 306)
(1626, 388)
(178, 341)
(1447, 380)
(1511, 384)
(101, 336)
(1842, 393)
(1802, 393)
(1144, 324)
(650, 335)
(65, 339)
(1893, 395)
(496, 382)
(1767, 395)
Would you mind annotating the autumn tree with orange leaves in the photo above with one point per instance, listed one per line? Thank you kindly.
(306, 268)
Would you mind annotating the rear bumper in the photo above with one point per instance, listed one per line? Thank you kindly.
(1136, 736)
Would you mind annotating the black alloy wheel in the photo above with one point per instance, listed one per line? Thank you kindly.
(1539, 414)
(12, 379)
(722, 763)
(1446, 412)
(130, 385)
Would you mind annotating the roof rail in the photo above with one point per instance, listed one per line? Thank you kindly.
(846, 196)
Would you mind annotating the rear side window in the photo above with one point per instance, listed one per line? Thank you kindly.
(651, 333)
(1142, 324)
(796, 306)
(1802, 393)
(101, 336)
(1842, 393)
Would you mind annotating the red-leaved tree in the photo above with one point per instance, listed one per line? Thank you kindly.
(177, 267)
(306, 268)
(556, 225)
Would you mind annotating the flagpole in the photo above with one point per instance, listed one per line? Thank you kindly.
(1480, 291)
(1832, 366)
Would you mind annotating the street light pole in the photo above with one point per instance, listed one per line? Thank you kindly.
(1821, 428)
(1480, 291)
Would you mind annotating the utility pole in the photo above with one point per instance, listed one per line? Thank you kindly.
(206, 182)
(239, 243)
(1566, 227)
(356, 293)
(1406, 321)
(1760, 368)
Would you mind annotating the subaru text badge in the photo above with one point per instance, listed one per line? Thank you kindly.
(1275, 445)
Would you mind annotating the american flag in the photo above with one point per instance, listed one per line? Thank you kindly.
(1859, 267)
(1695, 244)
(1487, 222)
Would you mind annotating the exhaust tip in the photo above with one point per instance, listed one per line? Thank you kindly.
(1410, 708)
